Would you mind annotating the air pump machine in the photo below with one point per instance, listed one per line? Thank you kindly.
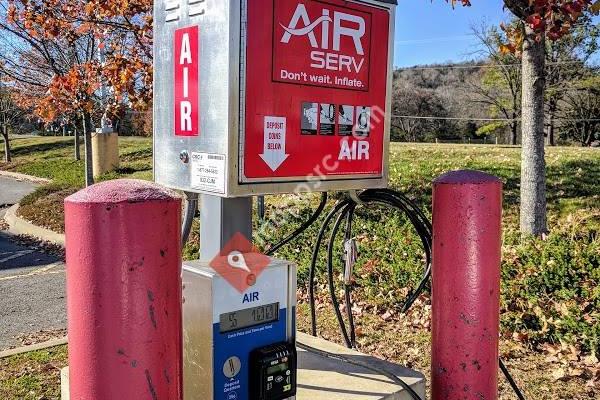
(262, 97)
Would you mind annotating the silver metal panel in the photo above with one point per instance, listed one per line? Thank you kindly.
(197, 334)
(215, 22)
(292, 302)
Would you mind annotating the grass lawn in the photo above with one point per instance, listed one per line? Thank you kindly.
(550, 291)
(53, 158)
(33, 376)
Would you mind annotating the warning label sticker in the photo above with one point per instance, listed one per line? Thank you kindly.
(208, 172)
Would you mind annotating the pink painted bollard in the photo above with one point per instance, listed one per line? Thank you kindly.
(467, 231)
(124, 292)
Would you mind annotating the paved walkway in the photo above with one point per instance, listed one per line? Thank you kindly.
(12, 191)
(32, 283)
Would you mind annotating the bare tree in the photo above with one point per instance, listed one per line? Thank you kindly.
(566, 63)
(500, 85)
(579, 111)
(10, 114)
(411, 107)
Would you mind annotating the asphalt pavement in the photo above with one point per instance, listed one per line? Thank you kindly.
(32, 283)
(12, 191)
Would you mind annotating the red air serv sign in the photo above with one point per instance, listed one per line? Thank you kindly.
(186, 62)
(322, 45)
(316, 82)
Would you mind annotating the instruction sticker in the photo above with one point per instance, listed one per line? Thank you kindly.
(327, 119)
(309, 118)
(363, 121)
(345, 120)
(208, 172)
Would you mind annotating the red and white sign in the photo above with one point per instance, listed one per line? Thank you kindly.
(187, 63)
(317, 75)
(274, 142)
(321, 44)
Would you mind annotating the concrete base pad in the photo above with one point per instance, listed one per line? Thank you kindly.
(322, 377)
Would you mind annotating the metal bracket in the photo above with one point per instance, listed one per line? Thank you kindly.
(355, 197)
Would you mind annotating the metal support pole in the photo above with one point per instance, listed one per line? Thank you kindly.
(260, 206)
(220, 220)
(124, 292)
(467, 236)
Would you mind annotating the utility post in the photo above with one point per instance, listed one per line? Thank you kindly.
(105, 143)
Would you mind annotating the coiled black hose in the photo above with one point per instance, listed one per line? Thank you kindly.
(345, 209)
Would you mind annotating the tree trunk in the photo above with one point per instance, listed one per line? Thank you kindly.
(533, 164)
(552, 126)
(7, 155)
(551, 130)
(77, 145)
(514, 132)
(87, 136)
(588, 135)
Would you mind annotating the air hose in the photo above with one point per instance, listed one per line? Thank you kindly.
(344, 210)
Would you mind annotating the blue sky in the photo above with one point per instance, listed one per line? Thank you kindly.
(430, 31)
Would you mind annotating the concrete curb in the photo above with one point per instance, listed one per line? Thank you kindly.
(23, 177)
(34, 347)
(19, 226)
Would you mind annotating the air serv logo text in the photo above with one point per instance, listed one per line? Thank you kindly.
(320, 43)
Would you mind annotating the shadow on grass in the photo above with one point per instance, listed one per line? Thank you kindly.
(569, 180)
(143, 154)
(40, 147)
(574, 180)
(131, 170)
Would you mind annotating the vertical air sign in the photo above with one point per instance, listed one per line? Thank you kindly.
(186, 62)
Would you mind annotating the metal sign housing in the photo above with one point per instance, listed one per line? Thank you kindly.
(272, 96)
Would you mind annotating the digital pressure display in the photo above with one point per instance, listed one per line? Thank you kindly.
(249, 317)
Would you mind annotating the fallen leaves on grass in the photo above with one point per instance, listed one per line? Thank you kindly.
(568, 362)
(41, 336)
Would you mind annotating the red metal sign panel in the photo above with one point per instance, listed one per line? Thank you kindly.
(316, 84)
(186, 62)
